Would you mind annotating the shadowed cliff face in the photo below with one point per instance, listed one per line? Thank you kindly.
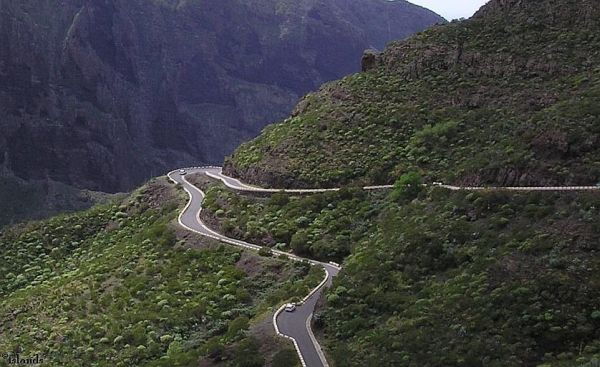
(101, 94)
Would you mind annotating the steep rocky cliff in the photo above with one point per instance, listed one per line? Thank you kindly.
(103, 93)
(100, 94)
(509, 97)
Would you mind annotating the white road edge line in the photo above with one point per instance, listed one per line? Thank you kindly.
(319, 286)
(214, 235)
(293, 257)
(315, 341)
(308, 328)
(296, 346)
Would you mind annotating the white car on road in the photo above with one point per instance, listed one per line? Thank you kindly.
(290, 307)
(182, 172)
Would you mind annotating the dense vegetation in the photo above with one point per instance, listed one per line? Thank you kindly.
(471, 279)
(319, 226)
(510, 97)
(431, 277)
(118, 286)
(441, 278)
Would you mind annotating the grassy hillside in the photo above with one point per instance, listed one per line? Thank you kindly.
(465, 279)
(441, 278)
(120, 285)
(509, 97)
(431, 277)
(323, 226)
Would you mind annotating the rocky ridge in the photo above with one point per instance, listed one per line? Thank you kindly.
(102, 94)
(505, 98)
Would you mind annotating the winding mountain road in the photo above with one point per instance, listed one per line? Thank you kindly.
(295, 325)
(232, 183)
(235, 184)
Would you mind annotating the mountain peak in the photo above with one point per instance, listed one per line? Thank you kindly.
(498, 6)
(551, 11)
(525, 60)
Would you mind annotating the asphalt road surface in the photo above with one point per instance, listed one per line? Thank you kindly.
(294, 324)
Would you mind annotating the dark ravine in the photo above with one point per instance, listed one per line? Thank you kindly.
(36, 199)
(102, 94)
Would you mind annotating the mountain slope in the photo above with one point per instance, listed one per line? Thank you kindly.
(435, 277)
(471, 279)
(122, 284)
(103, 94)
(440, 278)
(509, 97)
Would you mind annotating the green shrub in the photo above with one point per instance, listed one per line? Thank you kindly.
(279, 199)
(214, 349)
(265, 251)
(286, 358)
(299, 243)
(237, 327)
(407, 187)
(247, 354)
